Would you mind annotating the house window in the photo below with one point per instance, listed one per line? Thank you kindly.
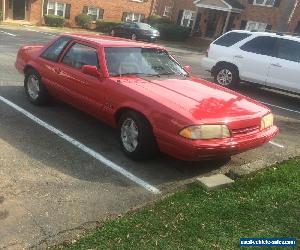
(133, 17)
(251, 26)
(94, 13)
(188, 17)
(264, 2)
(167, 11)
(55, 8)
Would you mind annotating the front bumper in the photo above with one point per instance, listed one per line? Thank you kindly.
(195, 150)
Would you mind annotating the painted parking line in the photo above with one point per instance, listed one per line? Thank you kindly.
(279, 107)
(276, 144)
(41, 32)
(84, 148)
(7, 33)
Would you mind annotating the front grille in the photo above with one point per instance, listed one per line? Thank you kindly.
(248, 130)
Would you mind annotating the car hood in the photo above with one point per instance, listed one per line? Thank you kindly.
(200, 99)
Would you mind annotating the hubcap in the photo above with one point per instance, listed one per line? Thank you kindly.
(133, 37)
(224, 77)
(112, 33)
(129, 135)
(33, 86)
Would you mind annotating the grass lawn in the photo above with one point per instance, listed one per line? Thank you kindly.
(267, 205)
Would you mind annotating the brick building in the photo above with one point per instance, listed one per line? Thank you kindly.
(211, 18)
(33, 10)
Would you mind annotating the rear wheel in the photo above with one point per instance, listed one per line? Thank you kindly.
(226, 76)
(113, 33)
(133, 37)
(34, 88)
(136, 136)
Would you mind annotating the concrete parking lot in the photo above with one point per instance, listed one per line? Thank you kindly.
(58, 182)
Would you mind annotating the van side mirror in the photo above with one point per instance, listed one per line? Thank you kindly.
(91, 71)
(188, 69)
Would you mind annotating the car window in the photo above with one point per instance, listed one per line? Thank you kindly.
(231, 38)
(80, 55)
(143, 61)
(53, 52)
(289, 50)
(263, 45)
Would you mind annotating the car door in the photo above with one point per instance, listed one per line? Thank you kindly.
(48, 62)
(86, 92)
(254, 57)
(284, 70)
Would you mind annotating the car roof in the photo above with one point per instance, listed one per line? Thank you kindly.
(108, 41)
(271, 34)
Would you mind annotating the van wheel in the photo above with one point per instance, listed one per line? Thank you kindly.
(227, 76)
(34, 88)
(136, 136)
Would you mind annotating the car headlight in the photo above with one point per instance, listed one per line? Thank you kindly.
(267, 122)
(205, 132)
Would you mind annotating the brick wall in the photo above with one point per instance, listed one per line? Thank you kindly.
(160, 5)
(294, 18)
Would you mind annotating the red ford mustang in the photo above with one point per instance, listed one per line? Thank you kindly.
(143, 91)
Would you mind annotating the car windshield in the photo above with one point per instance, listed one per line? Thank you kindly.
(141, 61)
(144, 26)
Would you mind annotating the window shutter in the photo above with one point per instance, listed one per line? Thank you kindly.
(45, 7)
(101, 13)
(269, 27)
(124, 16)
(250, 1)
(277, 3)
(68, 11)
(85, 10)
(180, 15)
(243, 24)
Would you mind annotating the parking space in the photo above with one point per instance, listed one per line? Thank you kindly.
(60, 168)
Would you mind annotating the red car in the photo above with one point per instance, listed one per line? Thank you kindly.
(144, 92)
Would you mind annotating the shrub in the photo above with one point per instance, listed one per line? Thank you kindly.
(83, 20)
(1, 16)
(54, 21)
(106, 26)
(155, 19)
(173, 32)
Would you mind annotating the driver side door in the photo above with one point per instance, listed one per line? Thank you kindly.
(86, 92)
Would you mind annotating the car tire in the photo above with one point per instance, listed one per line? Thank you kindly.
(133, 37)
(136, 136)
(226, 76)
(34, 88)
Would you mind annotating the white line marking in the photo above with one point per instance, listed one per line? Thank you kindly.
(42, 32)
(272, 105)
(276, 144)
(84, 148)
(10, 34)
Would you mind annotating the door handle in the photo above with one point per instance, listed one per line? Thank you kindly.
(276, 65)
(238, 56)
(57, 70)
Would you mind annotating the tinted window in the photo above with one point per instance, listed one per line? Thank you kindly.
(231, 38)
(80, 55)
(263, 45)
(53, 52)
(289, 50)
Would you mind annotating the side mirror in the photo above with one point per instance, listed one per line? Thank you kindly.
(91, 70)
(188, 69)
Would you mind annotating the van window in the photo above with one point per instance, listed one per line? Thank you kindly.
(263, 45)
(231, 38)
(289, 50)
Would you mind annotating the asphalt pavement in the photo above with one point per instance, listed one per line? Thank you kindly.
(52, 189)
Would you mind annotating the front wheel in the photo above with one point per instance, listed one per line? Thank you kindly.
(226, 76)
(34, 88)
(133, 37)
(136, 136)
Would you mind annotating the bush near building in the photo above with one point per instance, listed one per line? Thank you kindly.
(54, 21)
(106, 26)
(83, 20)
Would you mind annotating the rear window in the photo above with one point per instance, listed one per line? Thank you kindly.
(231, 38)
